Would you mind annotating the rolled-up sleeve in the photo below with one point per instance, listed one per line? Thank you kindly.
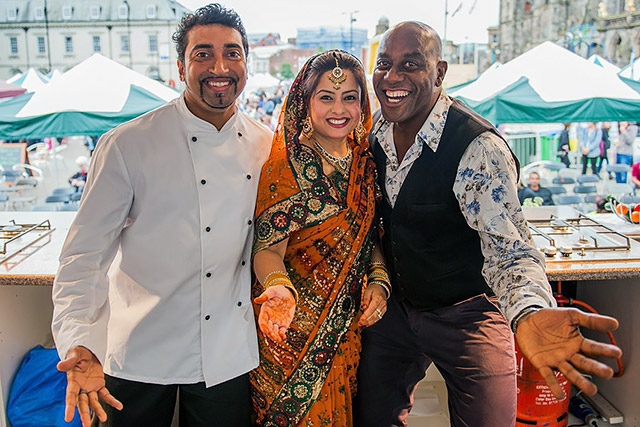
(486, 190)
(80, 289)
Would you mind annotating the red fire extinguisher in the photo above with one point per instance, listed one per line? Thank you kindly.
(536, 405)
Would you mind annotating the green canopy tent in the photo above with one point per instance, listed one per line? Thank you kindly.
(521, 103)
(66, 123)
(549, 84)
(89, 99)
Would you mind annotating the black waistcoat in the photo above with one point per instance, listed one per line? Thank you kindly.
(434, 257)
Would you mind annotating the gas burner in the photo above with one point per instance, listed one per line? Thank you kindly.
(579, 238)
(14, 238)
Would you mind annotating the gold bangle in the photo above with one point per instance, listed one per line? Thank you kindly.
(385, 286)
(274, 273)
(276, 278)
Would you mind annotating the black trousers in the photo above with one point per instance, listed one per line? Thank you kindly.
(226, 405)
(471, 345)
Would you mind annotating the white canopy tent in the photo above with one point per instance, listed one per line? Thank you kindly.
(551, 84)
(31, 80)
(599, 60)
(97, 84)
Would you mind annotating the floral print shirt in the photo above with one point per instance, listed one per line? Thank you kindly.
(485, 187)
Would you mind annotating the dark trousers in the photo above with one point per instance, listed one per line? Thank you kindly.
(227, 404)
(594, 164)
(470, 343)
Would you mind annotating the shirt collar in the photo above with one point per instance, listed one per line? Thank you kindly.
(431, 130)
(203, 125)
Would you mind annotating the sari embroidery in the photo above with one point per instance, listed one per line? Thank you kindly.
(330, 230)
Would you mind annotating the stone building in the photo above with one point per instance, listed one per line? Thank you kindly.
(58, 34)
(609, 28)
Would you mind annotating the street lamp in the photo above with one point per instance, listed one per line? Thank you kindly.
(46, 26)
(129, 32)
(352, 19)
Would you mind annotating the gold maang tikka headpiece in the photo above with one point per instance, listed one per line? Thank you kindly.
(337, 75)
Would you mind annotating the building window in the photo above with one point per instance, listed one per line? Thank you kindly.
(153, 43)
(42, 48)
(94, 11)
(96, 44)
(151, 11)
(124, 43)
(13, 42)
(38, 13)
(12, 14)
(123, 11)
(67, 12)
(68, 44)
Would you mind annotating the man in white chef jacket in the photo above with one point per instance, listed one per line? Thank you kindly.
(170, 196)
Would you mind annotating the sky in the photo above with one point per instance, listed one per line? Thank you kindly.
(467, 20)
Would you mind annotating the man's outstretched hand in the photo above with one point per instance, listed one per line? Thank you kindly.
(85, 386)
(551, 339)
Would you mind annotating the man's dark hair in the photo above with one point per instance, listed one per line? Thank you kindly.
(210, 14)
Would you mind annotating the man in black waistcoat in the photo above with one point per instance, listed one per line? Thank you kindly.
(464, 269)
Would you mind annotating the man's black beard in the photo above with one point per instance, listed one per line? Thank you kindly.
(218, 95)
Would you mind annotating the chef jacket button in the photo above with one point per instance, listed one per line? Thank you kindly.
(248, 176)
(203, 181)
(249, 222)
(207, 317)
(194, 139)
(239, 133)
(208, 274)
(208, 229)
(243, 263)
(239, 303)
(398, 274)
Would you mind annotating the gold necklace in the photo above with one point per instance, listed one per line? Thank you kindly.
(340, 163)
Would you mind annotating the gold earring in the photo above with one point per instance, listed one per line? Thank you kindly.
(307, 127)
(360, 130)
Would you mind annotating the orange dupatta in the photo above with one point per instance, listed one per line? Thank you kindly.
(329, 223)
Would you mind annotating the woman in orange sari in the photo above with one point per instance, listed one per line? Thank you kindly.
(315, 248)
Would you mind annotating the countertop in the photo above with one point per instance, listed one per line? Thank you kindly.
(38, 263)
(627, 267)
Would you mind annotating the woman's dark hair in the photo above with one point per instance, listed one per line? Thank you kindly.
(210, 14)
(326, 61)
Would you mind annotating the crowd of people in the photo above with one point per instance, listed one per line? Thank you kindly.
(600, 143)
(379, 245)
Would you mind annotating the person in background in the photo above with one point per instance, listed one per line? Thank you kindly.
(563, 145)
(533, 190)
(605, 144)
(79, 178)
(624, 147)
(315, 242)
(465, 272)
(589, 145)
(635, 175)
(167, 211)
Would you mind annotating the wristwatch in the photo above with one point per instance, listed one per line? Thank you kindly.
(524, 313)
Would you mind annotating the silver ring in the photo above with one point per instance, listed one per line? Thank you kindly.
(276, 325)
(379, 312)
(83, 392)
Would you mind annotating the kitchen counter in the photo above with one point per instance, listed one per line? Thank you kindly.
(597, 265)
(35, 265)
(26, 276)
